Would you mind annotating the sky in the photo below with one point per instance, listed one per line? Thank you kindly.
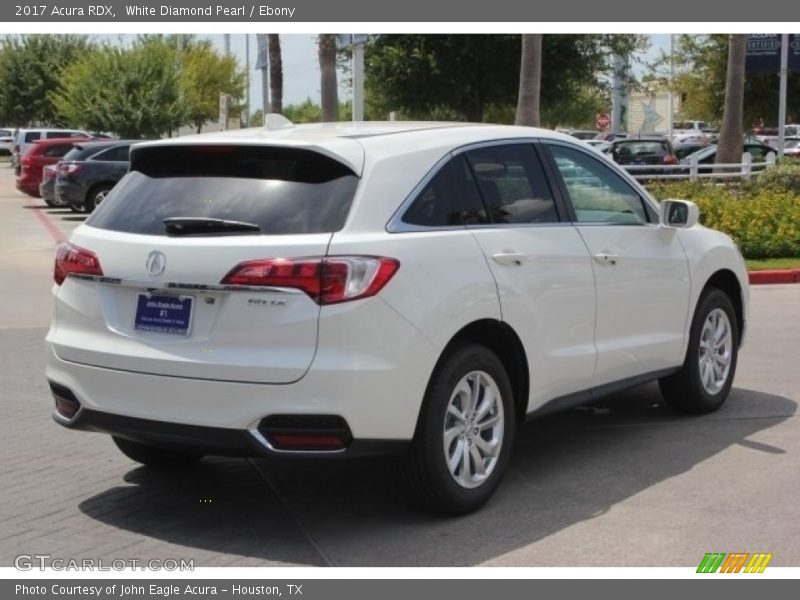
(300, 66)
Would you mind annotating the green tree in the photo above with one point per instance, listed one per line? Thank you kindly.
(701, 67)
(133, 91)
(310, 112)
(30, 68)
(464, 75)
(206, 74)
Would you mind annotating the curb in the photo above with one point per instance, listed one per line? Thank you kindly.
(774, 276)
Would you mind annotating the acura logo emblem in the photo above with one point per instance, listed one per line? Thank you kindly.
(156, 263)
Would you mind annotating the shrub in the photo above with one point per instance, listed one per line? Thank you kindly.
(783, 177)
(763, 220)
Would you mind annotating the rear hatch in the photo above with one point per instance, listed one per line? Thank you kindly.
(165, 239)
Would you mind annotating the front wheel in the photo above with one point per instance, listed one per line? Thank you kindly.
(464, 433)
(704, 382)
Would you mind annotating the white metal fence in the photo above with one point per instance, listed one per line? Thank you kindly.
(694, 171)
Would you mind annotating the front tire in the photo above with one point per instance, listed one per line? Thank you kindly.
(704, 382)
(464, 433)
(154, 456)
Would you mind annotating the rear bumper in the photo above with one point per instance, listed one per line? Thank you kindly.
(211, 440)
(29, 187)
(374, 386)
(69, 194)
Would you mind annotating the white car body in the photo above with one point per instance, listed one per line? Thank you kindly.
(593, 307)
(690, 132)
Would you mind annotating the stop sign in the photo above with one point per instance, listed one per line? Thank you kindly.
(602, 120)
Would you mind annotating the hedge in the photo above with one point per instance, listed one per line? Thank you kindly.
(761, 215)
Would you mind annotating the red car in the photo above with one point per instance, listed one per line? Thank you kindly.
(42, 153)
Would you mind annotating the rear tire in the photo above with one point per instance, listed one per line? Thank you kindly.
(96, 196)
(704, 382)
(154, 456)
(464, 433)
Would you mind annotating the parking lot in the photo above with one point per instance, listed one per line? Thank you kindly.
(624, 483)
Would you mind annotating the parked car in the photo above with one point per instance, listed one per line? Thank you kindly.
(88, 172)
(692, 131)
(410, 288)
(26, 137)
(42, 152)
(684, 149)
(581, 134)
(6, 141)
(643, 151)
(707, 156)
(599, 145)
(610, 136)
(47, 188)
(791, 147)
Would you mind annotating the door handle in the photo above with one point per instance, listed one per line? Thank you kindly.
(606, 259)
(508, 259)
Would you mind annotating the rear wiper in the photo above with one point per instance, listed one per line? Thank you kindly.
(195, 225)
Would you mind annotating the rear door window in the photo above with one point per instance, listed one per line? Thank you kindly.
(450, 198)
(116, 154)
(512, 184)
(282, 190)
(58, 150)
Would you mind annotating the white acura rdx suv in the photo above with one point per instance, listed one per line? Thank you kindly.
(408, 288)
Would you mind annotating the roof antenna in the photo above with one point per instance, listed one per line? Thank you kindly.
(275, 121)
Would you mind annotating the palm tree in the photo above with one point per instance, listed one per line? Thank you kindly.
(275, 73)
(731, 132)
(530, 80)
(327, 67)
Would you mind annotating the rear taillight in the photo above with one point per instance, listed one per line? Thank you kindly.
(68, 168)
(74, 259)
(48, 173)
(670, 159)
(327, 280)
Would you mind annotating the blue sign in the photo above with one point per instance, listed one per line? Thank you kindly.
(163, 314)
(764, 53)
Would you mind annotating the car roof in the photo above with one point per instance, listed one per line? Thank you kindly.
(634, 140)
(44, 143)
(347, 142)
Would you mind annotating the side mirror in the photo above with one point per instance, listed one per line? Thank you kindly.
(680, 214)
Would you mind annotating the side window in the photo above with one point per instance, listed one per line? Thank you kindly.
(450, 198)
(118, 154)
(597, 193)
(58, 150)
(512, 184)
(32, 136)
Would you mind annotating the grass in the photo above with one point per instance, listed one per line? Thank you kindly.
(761, 264)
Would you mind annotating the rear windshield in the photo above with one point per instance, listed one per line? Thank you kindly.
(641, 148)
(282, 190)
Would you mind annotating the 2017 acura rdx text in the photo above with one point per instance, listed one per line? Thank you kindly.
(409, 288)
